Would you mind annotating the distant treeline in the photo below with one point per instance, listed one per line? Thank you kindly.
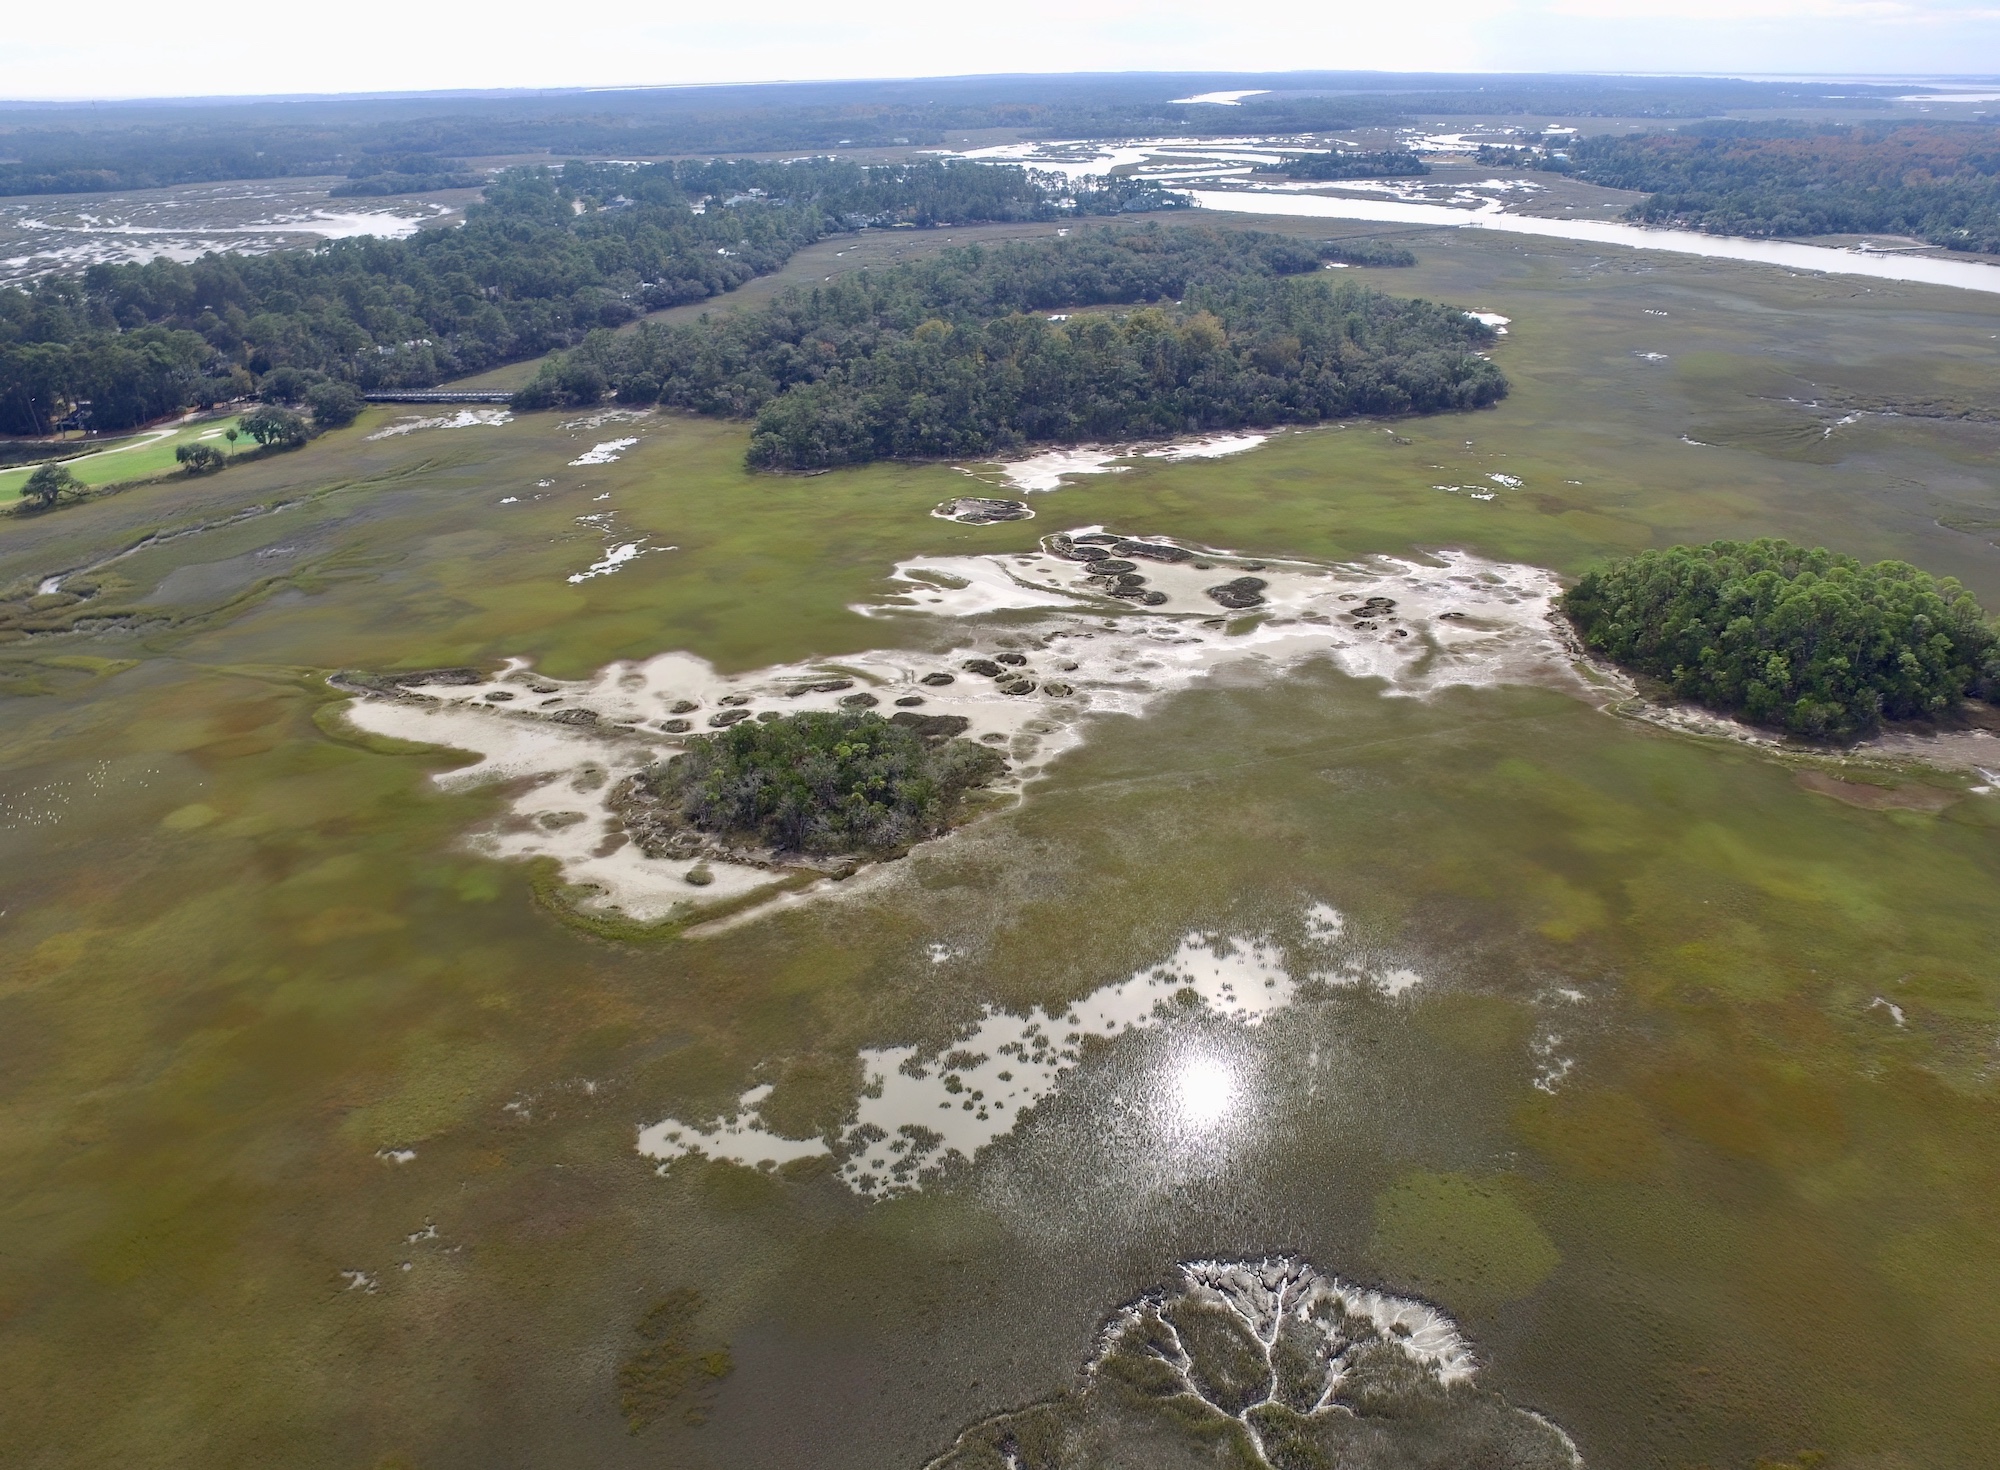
(545, 258)
(405, 173)
(68, 149)
(1939, 182)
(1368, 252)
(1394, 163)
(984, 349)
(1810, 641)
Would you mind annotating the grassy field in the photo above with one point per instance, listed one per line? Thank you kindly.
(245, 958)
(150, 453)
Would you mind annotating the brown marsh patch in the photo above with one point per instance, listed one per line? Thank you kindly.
(1911, 796)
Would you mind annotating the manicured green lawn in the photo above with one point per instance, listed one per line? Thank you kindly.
(149, 453)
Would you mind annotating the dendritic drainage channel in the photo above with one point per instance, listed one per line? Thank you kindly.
(1291, 1365)
(921, 1109)
(1036, 646)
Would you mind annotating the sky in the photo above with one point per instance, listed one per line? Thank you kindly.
(123, 48)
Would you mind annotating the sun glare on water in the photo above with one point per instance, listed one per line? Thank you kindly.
(1204, 1090)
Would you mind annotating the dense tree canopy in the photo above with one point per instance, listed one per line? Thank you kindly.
(1937, 181)
(1810, 641)
(1368, 252)
(824, 783)
(1393, 163)
(967, 353)
(404, 173)
(544, 259)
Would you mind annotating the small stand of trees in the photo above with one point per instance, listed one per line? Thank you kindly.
(1393, 163)
(200, 459)
(1368, 252)
(1809, 641)
(824, 783)
(276, 428)
(48, 484)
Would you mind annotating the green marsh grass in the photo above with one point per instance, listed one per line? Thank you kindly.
(246, 959)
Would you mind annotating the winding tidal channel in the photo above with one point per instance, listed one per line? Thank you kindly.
(1878, 265)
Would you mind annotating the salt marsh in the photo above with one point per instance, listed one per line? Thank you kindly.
(1555, 1032)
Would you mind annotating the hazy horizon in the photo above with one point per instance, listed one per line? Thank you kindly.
(383, 49)
(1941, 79)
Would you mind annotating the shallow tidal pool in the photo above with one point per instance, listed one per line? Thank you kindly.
(1647, 1089)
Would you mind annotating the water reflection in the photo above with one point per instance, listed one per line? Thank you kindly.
(1205, 1091)
(920, 1109)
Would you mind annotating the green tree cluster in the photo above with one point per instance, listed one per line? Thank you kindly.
(1389, 163)
(966, 353)
(276, 428)
(334, 404)
(48, 484)
(544, 259)
(824, 783)
(382, 173)
(200, 459)
(1809, 641)
(1368, 252)
(1937, 181)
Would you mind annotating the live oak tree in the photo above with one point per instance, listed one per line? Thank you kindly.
(49, 483)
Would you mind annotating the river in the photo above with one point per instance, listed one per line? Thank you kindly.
(1884, 266)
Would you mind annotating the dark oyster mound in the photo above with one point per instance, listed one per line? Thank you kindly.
(1243, 592)
(979, 510)
(932, 727)
(423, 677)
(1151, 551)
